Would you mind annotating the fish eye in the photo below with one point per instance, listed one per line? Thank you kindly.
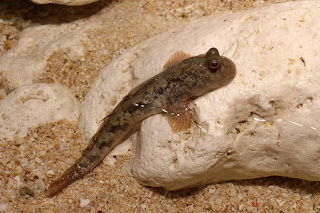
(213, 59)
(214, 64)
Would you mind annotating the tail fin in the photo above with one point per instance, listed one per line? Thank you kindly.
(89, 159)
(105, 139)
(68, 177)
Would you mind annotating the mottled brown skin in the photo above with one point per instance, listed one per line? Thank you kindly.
(171, 89)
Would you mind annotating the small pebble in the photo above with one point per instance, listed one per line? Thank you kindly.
(84, 202)
(19, 169)
(281, 202)
(241, 207)
(180, 10)
(17, 178)
(233, 192)
(38, 160)
(39, 184)
(3, 207)
(70, 161)
(42, 153)
(26, 191)
(23, 147)
(188, 9)
(240, 196)
(50, 173)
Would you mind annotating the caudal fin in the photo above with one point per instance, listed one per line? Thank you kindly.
(95, 152)
(69, 176)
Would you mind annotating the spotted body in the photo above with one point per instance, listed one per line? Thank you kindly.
(184, 78)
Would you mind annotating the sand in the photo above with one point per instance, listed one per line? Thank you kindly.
(28, 165)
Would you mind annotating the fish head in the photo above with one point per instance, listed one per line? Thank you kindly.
(198, 75)
(220, 70)
(208, 72)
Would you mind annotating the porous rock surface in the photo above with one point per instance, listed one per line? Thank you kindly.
(65, 2)
(264, 123)
(36, 45)
(34, 104)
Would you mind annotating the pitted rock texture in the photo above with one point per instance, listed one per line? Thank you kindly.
(35, 104)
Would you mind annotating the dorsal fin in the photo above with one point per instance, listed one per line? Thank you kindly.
(176, 58)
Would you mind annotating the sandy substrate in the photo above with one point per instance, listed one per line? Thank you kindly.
(28, 165)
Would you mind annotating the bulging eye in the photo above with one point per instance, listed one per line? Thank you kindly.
(214, 64)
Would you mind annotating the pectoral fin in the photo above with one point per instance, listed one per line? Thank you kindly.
(180, 119)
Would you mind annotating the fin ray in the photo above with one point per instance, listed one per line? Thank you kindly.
(176, 58)
(180, 120)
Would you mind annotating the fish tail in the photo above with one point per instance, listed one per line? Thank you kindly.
(91, 157)
(105, 139)
(69, 176)
(89, 160)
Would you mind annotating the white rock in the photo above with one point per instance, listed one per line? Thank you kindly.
(32, 105)
(28, 58)
(264, 123)
(19, 183)
(108, 90)
(40, 185)
(65, 2)
(50, 173)
(84, 202)
(120, 149)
